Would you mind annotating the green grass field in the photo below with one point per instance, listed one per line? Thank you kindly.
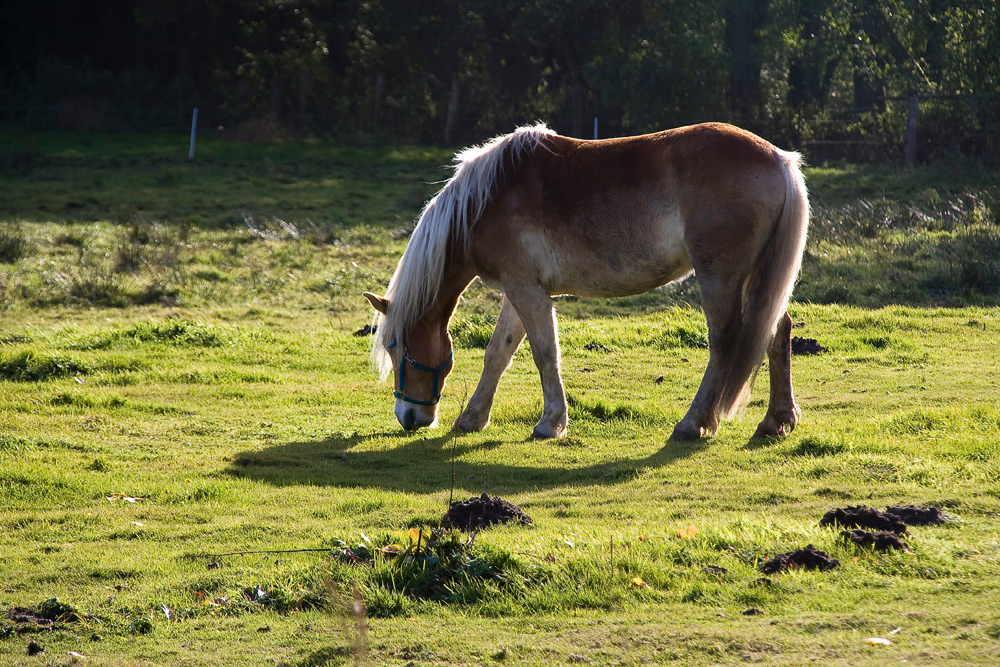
(199, 465)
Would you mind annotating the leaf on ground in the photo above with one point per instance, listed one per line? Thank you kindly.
(123, 497)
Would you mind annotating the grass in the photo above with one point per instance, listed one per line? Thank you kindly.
(179, 383)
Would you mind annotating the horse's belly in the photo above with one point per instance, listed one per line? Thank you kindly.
(590, 269)
(619, 276)
(638, 258)
(601, 253)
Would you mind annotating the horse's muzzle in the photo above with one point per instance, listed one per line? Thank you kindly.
(411, 418)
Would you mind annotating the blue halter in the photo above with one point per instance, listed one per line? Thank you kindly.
(436, 371)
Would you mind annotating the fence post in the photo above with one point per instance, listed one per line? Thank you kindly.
(910, 137)
(194, 130)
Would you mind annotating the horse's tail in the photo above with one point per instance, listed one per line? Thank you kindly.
(768, 287)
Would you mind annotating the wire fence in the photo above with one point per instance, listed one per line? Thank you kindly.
(911, 129)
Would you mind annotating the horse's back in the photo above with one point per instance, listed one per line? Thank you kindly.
(616, 216)
(610, 183)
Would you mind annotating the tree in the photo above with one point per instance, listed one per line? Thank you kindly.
(745, 53)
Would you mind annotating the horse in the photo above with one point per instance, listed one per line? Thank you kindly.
(536, 215)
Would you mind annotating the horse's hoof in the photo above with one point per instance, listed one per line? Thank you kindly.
(772, 428)
(546, 432)
(686, 430)
(470, 424)
(769, 433)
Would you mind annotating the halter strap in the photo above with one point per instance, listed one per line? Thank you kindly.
(436, 371)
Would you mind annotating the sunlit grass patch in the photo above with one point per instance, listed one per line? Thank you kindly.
(33, 365)
(234, 412)
(597, 409)
(473, 331)
(814, 446)
(171, 332)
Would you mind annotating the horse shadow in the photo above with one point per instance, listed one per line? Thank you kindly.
(431, 464)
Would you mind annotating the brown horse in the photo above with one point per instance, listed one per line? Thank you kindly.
(535, 214)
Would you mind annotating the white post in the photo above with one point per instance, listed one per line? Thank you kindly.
(194, 129)
(595, 127)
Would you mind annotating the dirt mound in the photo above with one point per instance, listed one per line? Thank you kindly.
(481, 512)
(809, 558)
(863, 517)
(917, 515)
(882, 540)
(46, 615)
(808, 346)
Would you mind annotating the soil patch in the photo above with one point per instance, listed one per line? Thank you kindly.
(917, 515)
(46, 615)
(592, 347)
(808, 346)
(882, 540)
(809, 558)
(366, 330)
(863, 517)
(483, 511)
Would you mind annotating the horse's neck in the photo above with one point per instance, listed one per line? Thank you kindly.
(457, 276)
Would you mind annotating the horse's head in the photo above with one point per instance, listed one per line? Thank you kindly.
(421, 357)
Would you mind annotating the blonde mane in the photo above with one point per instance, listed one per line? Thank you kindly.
(447, 217)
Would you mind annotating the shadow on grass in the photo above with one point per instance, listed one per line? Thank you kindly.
(424, 465)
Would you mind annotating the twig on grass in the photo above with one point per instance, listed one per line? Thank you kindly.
(453, 436)
(263, 551)
(354, 617)
(360, 645)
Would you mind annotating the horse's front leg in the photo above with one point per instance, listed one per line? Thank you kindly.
(534, 306)
(507, 336)
(782, 412)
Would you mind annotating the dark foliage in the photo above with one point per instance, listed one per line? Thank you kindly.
(833, 78)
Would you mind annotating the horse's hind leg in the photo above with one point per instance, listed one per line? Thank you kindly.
(507, 336)
(722, 311)
(782, 413)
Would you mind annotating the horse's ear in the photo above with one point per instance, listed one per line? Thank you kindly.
(379, 303)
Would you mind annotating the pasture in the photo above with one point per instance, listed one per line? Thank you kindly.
(198, 463)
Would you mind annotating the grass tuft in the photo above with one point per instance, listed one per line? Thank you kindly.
(584, 409)
(174, 332)
(473, 332)
(30, 366)
(815, 446)
(14, 244)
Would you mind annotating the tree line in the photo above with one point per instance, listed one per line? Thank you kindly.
(801, 72)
